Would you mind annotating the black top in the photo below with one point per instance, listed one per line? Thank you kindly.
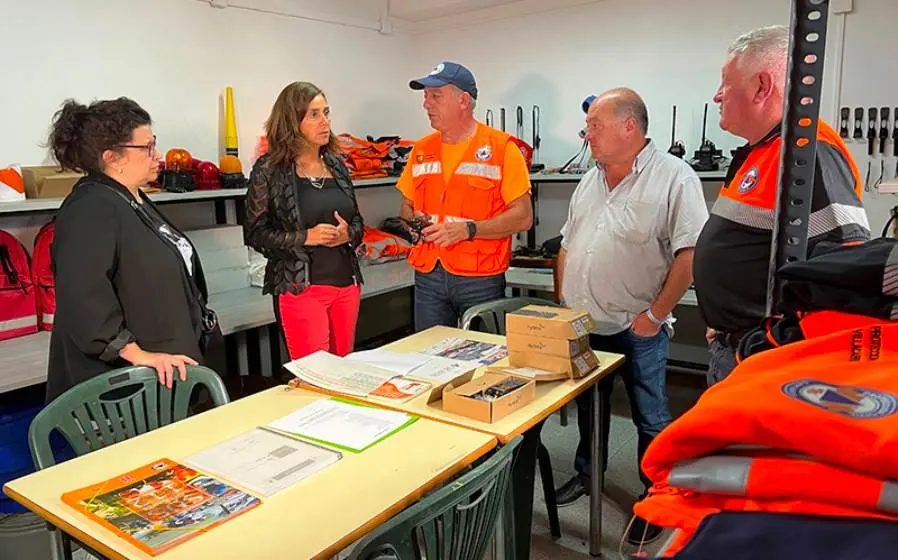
(730, 265)
(330, 266)
(117, 281)
(177, 240)
(275, 223)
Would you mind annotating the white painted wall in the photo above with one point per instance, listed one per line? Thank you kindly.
(670, 52)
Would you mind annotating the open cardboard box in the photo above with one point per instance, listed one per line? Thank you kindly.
(436, 391)
(538, 375)
(48, 181)
(458, 400)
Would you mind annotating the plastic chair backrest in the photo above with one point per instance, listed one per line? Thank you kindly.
(492, 313)
(456, 522)
(115, 406)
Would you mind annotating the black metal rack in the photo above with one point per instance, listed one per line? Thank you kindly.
(804, 79)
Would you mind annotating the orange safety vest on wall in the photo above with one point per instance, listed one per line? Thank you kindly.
(810, 427)
(473, 193)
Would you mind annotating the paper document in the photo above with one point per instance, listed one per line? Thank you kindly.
(399, 363)
(262, 461)
(415, 365)
(439, 370)
(400, 389)
(338, 374)
(344, 425)
(484, 353)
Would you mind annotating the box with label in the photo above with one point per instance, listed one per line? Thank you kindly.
(560, 347)
(485, 398)
(549, 322)
(575, 368)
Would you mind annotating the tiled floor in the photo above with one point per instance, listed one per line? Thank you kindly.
(622, 485)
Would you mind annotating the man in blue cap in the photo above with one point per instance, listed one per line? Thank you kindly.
(466, 192)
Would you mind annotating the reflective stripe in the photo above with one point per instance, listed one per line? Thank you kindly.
(19, 323)
(429, 168)
(48, 317)
(448, 219)
(888, 499)
(480, 170)
(742, 213)
(720, 475)
(835, 216)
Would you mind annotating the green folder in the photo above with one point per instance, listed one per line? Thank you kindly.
(338, 447)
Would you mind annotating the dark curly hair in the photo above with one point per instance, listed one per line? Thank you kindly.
(80, 133)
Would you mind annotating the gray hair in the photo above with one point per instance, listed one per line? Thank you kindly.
(628, 104)
(765, 48)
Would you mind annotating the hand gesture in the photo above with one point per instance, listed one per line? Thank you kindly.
(322, 234)
(447, 233)
(342, 231)
(644, 327)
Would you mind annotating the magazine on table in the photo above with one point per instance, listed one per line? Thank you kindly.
(483, 353)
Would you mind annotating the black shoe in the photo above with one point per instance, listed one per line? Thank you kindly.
(572, 491)
(642, 532)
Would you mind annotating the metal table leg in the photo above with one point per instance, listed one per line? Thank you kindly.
(597, 477)
(522, 479)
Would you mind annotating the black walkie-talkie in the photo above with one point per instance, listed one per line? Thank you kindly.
(843, 122)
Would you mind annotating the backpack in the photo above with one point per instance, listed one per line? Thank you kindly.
(18, 315)
(42, 277)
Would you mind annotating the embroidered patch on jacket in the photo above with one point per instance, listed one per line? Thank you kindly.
(484, 153)
(854, 402)
(749, 180)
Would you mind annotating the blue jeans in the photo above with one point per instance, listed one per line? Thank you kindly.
(645, 379)
(721, 363)
(441, 298)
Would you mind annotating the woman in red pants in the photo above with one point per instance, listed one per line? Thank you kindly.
(302, 214)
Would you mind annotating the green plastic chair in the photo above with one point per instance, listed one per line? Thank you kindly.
(115, 406)
(110, 408)
(456, 522)
(491, 316)
(492, 313)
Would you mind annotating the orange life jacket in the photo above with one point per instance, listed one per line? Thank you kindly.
(810, 427)
(473, 193)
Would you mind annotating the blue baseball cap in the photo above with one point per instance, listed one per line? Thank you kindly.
(448, 73)
(587, 102)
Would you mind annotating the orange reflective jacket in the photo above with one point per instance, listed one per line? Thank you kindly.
(473, 193)
(810, 427)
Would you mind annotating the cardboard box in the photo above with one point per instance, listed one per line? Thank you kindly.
(560, 347)
(457, 399)
(575, 368)
(48, 181)
(538, 375)
(549, 322)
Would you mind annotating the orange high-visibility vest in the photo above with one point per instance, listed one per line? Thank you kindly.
(473, 193)
(754, 184)
(810, 427)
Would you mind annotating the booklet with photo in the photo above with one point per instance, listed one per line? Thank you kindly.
(160, 505)
(340, 375)
(484, 353)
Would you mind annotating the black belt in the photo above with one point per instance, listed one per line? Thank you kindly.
(730, 339)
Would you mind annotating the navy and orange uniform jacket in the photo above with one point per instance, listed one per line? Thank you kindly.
(732, 254)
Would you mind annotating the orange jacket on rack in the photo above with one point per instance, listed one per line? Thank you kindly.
(810, 427)
(473, 191)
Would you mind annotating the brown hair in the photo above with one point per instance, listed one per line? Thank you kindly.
(80, 133)
(282, 126)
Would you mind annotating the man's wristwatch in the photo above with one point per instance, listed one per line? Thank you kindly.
(472, 230)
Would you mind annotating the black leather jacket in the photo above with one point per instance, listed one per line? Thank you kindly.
(274, 225)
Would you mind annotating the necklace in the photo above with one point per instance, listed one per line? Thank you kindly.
(317, 182)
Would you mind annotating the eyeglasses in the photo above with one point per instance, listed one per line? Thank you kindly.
(150, 148)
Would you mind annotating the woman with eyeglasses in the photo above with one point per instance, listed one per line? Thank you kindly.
(301, 214)
(129, 285)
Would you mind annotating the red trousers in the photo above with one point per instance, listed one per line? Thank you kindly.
(320, 318)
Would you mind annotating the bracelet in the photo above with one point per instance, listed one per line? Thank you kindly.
(652, 318)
